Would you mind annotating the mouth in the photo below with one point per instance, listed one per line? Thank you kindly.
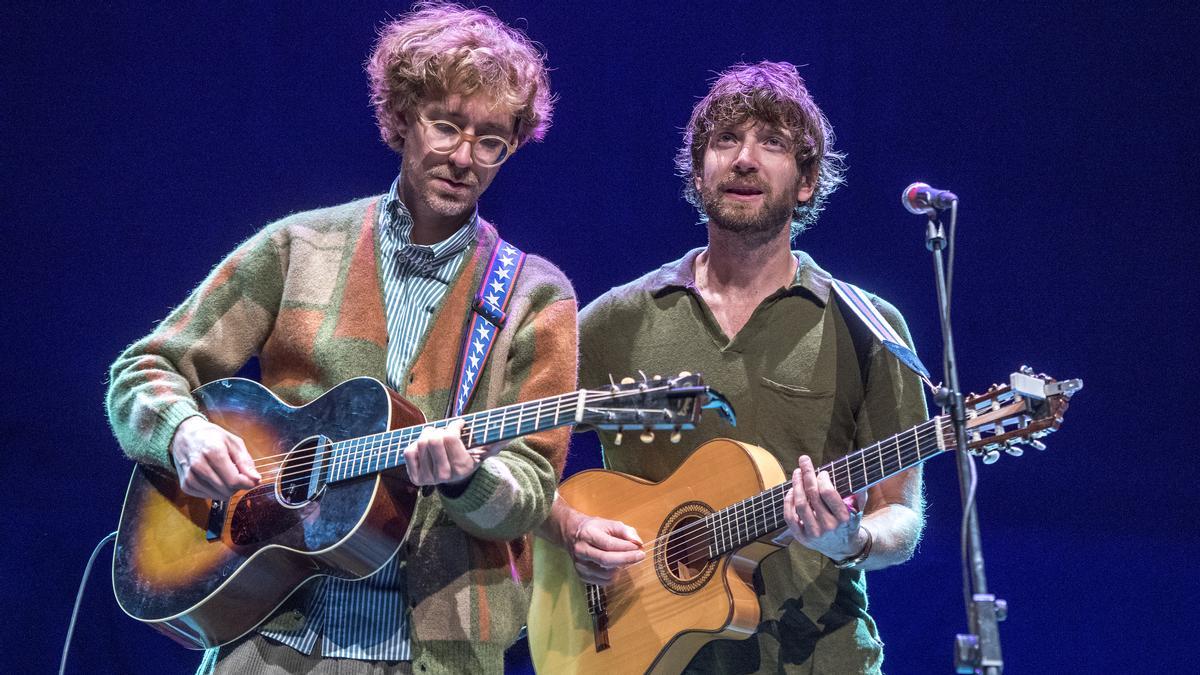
(742, 192)
(451, 184)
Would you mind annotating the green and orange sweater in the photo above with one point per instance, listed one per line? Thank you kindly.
(304, 295)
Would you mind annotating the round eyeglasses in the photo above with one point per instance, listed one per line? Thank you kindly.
(444, 138)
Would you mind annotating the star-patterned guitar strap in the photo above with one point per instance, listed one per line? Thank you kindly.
(487, 318)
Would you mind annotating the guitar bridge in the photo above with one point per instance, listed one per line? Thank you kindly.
(598, 609)
(216, 520)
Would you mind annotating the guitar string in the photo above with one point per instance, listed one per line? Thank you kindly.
(539, 412)
(769, 504)
(295, 478)
(487, 417)
(760, 509)
(533, 413)
(771, 508)
(860, 456)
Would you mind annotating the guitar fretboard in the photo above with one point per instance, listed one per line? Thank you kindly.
(378, 452)
(762, 514)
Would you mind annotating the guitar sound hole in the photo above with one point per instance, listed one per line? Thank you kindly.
(681, 558)
(301, 478)
(687, 550)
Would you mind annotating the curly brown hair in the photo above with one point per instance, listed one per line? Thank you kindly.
(441, 48)
(773, 93)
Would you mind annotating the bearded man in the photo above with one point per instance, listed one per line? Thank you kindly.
(760, 321)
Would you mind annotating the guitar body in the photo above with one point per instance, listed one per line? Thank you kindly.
(656, 616)
(206, 576)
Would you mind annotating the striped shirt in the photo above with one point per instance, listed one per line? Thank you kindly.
(368, 619)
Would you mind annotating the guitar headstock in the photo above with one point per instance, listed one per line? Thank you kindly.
(654, 404)
(1017, 413)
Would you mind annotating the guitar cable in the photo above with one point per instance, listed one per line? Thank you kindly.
(87, 571)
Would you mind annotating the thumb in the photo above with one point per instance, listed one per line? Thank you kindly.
(623, 531)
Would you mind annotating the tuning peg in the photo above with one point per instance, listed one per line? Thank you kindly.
(627, 380)
(1015, 450)
(1037, 445)
(991, 456)
(647, 436)
(676, 436)
(617, 439)
(684, 373)
(1025, 370)
(657, 378)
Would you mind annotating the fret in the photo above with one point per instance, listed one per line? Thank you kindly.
(392, 450)
(741, 521)
(335, 461)
(708, 530)
(726, 535)
(861, 463)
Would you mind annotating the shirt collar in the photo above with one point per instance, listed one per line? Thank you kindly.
(396, 220)
(681, 274)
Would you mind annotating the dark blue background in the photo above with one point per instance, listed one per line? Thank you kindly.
(140, 144)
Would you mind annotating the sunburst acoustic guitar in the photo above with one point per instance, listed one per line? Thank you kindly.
(334, 499)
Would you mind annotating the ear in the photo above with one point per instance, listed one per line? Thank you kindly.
(402, 126)
(808, 184)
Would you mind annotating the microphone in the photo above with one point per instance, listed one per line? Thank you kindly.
(919, 198)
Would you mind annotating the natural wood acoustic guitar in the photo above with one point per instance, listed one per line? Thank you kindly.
(709, 524)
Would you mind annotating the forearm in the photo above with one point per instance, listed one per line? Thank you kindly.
(562, 522)
(895, 530)
(216, 329)
(147, 399)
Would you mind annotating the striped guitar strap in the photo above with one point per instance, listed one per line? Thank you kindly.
(858, 302)
(487, 318)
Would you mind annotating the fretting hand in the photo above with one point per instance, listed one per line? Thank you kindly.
(817, 516)
(439, 457)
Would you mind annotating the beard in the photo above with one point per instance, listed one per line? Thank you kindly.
(759, 223)
(436, 197)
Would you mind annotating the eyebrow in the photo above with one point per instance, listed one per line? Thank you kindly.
(484, 129)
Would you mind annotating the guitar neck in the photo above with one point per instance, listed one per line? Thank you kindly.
(762, 514)
(366, 455)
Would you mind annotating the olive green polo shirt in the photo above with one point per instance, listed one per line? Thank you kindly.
(794, 378)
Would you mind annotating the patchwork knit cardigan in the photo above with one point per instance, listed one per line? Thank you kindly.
(304, 295)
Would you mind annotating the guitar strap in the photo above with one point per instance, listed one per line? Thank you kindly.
(868, 315)
(487, 318)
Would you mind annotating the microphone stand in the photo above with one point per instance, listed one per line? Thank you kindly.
(979, 650)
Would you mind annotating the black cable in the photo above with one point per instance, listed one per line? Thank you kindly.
(968, 505)
(62, 666)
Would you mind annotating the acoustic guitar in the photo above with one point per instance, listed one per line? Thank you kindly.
(334, 499)
(708, 525)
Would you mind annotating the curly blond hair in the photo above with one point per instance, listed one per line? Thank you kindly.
(771, 92)
(443, 48)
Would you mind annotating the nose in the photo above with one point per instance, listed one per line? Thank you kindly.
(746, 160)
(461, 157)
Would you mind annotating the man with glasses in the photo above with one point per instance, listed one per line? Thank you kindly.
(809, 384)
(383, 287)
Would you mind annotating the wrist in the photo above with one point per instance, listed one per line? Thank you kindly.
(456, 489)
(864, 552)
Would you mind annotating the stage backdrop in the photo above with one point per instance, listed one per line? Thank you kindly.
(143, 141)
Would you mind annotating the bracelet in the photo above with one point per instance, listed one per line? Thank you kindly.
(855, 560)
